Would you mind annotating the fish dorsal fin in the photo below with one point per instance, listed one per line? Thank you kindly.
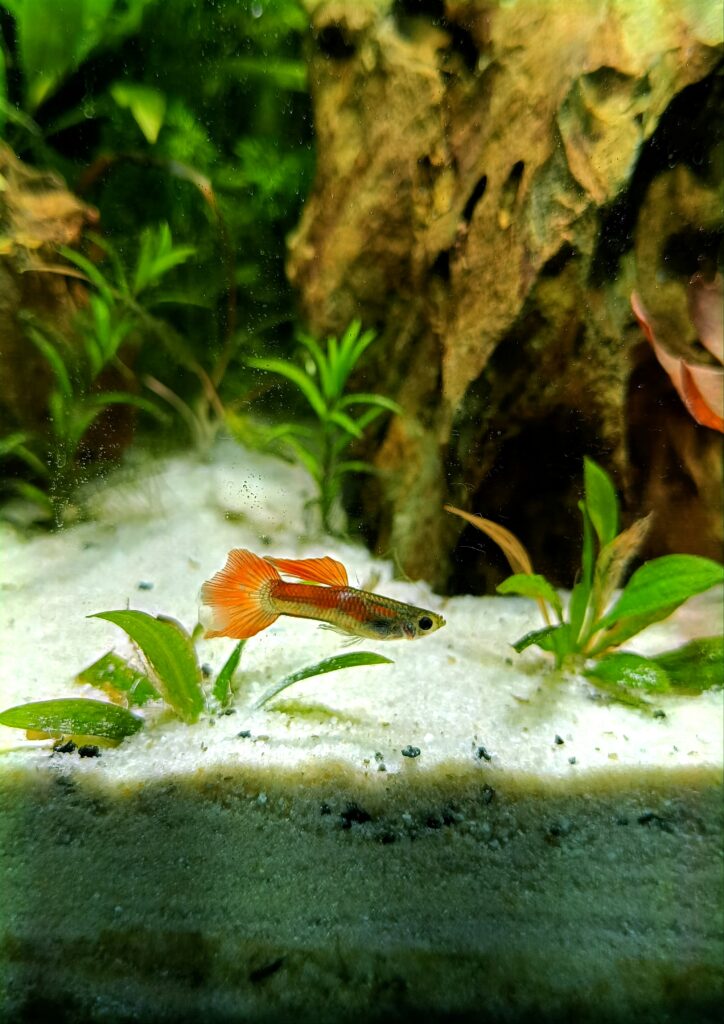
(314, 570)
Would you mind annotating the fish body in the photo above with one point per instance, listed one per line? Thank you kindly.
(248, 594)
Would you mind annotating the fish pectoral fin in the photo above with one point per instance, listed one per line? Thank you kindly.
(324, 570)
(349, 638)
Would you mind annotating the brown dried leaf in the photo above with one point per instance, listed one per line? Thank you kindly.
(518, 557)
(613, 560)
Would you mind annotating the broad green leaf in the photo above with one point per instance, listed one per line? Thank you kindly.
(333, 664)
(601, 501)
(223, 690)
(623, 668)
(587, 554)
(116, 676)
(664, 583)
(534, 586)
(554, 639)
(169, 651)
(146, 104)
(622, 631)
(53, 38)
(56, 36)
(696, 666)
(577, 608)
(73, 717)
(293, 373)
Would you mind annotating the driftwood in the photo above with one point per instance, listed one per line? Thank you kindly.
(37, 215)
(493, 182)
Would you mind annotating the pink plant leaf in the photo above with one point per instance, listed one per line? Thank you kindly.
(706, 308)
(701, 388)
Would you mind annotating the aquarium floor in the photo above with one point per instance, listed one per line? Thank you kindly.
(547, 856)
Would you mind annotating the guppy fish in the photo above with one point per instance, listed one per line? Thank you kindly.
(248, 594)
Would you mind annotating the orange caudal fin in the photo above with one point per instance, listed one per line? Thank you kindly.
(314, 570)
(238, 596)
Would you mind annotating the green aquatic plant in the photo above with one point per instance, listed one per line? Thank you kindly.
(169, 672)
(321, 447)
(117, 312)
(587, 634)
(218, 141)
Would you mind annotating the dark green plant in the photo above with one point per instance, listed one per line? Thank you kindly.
(203, 119)
(321, 447)
(169, 672)
(117, 311)
(586, 636)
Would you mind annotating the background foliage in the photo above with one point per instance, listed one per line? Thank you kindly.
(200, 121)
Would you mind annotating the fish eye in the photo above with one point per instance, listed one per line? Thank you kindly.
(425, 622)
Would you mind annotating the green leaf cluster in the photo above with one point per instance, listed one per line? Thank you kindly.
(340, 417)
(597, 623)
(170, 673)
(116, 313)
(201, 121)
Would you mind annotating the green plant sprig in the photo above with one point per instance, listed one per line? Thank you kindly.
(115, 312)
(171, 674)
(587, 635)
(321, 448)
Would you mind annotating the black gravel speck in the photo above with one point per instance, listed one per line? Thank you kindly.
(244, 734)
(651, 819)
(89, 750)
(206, 670)
(145, 585)
(558, 740)
(571, 760)
(410, 751)
(483, 754)
(353, 814)
(659, 713)
(65, 748)
(227, 711)
(265, 971)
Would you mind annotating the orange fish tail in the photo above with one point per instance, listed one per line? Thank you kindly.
(239, 596)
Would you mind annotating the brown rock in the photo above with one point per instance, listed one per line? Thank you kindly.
(37, 215)
(479, 173)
